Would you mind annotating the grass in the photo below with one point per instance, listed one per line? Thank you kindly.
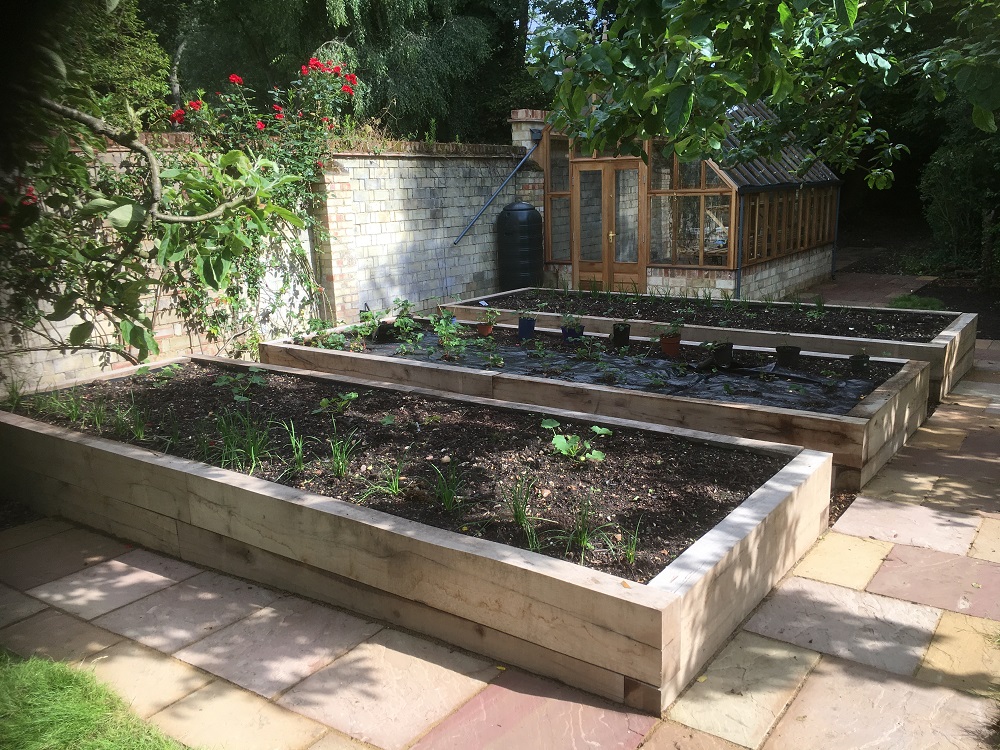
(916, 302)
(47, 705)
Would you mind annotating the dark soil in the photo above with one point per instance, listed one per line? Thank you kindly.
(794, 318)
(818, 384)
(14, 514)
(672, 489)
(965, 295)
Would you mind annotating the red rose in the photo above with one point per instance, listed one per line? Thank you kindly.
(195, 105)
(279, 116)
(277, 108)
(305, 70)
(325, 119)
(319, 164)
(236, 79)
(337, 69)
(260, 125)
(348, 89)
(351, 79)
(315, 64)
(177, 117)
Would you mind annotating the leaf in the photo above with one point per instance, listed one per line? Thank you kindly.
(285, 214)
(549, 424)
(596, 429)
(80, 333)
(679, 104)
(847, 11)
(983, 119)
(96, 206)
(62, 308)
(595, 456)
(126, 215)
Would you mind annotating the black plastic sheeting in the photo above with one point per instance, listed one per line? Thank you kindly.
(767, 385)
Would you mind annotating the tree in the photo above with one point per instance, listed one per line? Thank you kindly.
(673, 70)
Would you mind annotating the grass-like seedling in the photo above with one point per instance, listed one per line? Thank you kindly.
(14, 390)
(517, 500)
(242, 442)
(389, 482)
(342, 450)
(297, 444)
(446, 486)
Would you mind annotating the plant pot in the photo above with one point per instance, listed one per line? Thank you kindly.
(788, 356)
(484, 329)
(620, 335)
(525, 328)
(571, 333)
(859, 364)
(670, 346)
(720, 355)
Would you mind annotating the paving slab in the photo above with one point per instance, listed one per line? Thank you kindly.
(899, 486)
(107, 586)
(987, 543)
(391, 689)
(970, 388)
(177, 616)
(54, 556)
(16, 606)
(146, 679)
(938, 463)
(221, 716)
(958, 584)
(54, 634)
(983, 442)
(915, 525)
(31, 532)
(964, 654)
(744, 689)
(965, 495)
(279, 645)
(938, 435)
(846, 705)
(670, 735)
(843, 560)
(519, 710)
(873, 630)
(334, 740)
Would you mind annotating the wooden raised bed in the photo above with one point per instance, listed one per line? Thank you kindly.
(861, 441)
(633, 643)
(950, 354)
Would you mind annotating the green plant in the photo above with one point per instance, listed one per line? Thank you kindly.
(589, 350)
(572, 446)
(336, 404)
(446, 486)
(449, 335)
(489, 315)
(569, 320)
(297, 445)
(242, 382)
(15, 388)
(819, 310)
(517, 499)
(342, 450)
(49, 705)
(389, 482)
(97, 415)
(494, 360)
(584, 535)
(630, 543)
(670, 329)
(242, 441)
(726, 300)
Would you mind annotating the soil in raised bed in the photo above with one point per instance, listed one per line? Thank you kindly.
(671, 489)
(804, 317)
(817, 384)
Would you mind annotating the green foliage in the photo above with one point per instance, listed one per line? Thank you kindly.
(447, 485)
(674, 73)
(242, 383)
(342, 450)
(916, 302)
(47, 705)
(573, 446)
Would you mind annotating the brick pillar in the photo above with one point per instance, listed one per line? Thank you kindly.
(335, 261)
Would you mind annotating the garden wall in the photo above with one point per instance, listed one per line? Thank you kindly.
(392, 221)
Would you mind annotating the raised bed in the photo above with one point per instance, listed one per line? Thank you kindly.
(633, 643)
(950, 354)
(861, 441)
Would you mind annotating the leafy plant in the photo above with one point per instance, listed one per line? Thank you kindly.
(489, 315)
(242, 382)
(336, 404)
(569, 320)
(15, 388)
(573, 446)
(242, 443)
(449, 335)
(589, 350)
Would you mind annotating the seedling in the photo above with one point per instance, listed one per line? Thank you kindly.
(242, 382)
(15, 388)
(342, 450)
(390, 482)
(446, 487)
(242, 443)
(572, 446)
(335, 405)
(297, 444)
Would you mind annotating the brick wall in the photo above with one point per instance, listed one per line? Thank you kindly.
(392, 220)
(785, 276)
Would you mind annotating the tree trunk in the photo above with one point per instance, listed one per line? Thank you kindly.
(988, 259)
(175, 82)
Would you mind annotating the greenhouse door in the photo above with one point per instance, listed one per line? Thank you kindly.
(605, 212)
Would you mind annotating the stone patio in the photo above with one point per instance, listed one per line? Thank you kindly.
(884, 636)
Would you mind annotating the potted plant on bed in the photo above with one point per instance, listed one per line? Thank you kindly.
(525, 325)
(670, 338)
(487, 319)
(572, 327)
(620, 334)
